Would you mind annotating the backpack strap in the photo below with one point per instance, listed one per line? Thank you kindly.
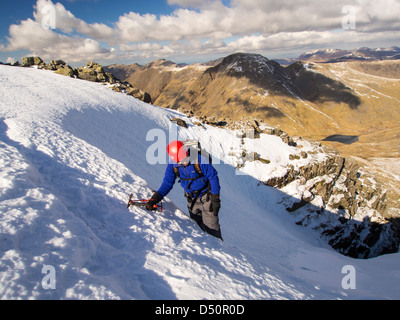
(176, 170)
(194, 195)
(197, 168)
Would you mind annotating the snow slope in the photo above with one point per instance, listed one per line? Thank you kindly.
(71, 153)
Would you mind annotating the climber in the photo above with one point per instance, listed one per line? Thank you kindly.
(200, 182)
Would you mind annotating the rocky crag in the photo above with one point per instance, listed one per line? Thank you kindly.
(336, 197)
(91, 72)
(343, 202)
(312, 100)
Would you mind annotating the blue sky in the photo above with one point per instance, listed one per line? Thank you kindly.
(128, 31)
(91, 11)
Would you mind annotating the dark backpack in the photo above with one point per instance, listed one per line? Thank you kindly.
(194, 148)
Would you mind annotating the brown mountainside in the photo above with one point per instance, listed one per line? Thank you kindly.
(302, 99)
(305, 99)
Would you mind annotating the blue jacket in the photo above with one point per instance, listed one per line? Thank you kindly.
(209, 172)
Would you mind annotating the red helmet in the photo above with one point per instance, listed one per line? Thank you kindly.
(177, 151)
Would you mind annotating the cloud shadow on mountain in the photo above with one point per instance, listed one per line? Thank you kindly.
(318, 88)
(295, 81)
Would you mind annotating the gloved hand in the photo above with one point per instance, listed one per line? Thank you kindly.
(215, 204)
(156, 198)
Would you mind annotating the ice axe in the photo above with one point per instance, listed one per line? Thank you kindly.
(143, 203)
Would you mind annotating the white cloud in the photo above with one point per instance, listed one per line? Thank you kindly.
(307, 39)
(244, 25)
(50, 45)
(378, 15)
(47, 43)
(68, 23)
(182, 24)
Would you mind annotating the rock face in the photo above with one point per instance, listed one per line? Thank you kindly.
(94, 72)
(344, 203)
(32, 61)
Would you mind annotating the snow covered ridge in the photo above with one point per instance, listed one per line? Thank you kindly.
(71, 151)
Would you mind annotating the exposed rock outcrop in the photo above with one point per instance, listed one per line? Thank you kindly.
(91, 72)
(344, 203)
(138, 94)
(179, 122)
(94, 72)
(32, 61)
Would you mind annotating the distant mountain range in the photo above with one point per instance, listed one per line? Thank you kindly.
(360, 54)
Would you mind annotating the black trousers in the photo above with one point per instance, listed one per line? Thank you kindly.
(200, 212)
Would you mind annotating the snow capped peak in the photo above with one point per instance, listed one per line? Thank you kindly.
(319, 51)
(361, 53)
